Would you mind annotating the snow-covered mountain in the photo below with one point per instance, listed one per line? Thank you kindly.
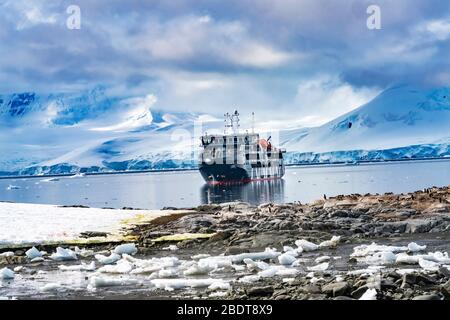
(91, 131)
(96, 131)
(402, 122)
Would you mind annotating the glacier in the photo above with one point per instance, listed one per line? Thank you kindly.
(95, 131)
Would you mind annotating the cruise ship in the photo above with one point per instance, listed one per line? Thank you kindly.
(235, 157)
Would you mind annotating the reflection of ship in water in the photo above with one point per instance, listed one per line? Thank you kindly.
(255, 192)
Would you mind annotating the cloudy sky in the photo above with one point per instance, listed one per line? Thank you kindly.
(300, 61)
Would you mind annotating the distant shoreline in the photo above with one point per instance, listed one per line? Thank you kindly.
(296, 165)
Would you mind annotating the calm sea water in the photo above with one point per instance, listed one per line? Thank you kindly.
(186, 189)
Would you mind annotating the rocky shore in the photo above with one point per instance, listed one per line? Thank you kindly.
(346, 247)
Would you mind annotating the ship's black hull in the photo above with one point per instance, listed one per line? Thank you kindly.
(224, 173)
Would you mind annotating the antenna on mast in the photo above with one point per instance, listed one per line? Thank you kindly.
(253, 122)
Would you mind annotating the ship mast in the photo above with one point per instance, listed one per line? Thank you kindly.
(253, 122)
(232, 122)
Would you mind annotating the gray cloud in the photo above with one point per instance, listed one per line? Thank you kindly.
(204, 54)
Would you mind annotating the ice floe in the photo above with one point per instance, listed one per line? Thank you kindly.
(429, 265)
(173, 284)
(333, 242)
(306, 245)
(33, 253)
(122, 266)
(6, 274)
(51, 287)
(286, 259)
(99, 282)
(81, 267)
(414, 247)
(322, 259)
(37, 259)
(250, 279)
(18, 268)
(127, 248)
(320, 267)
(62, 254)
(112, 258)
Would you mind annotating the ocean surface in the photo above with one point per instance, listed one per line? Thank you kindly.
(187, 189)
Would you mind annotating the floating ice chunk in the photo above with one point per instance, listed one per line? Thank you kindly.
(33, 253)
(277, 271)
(127, 248)
(98, 282)
(404, 258)
(269, 272)
(51, 287)
(37, 259)
(333, 242)
(62, 254)
(168, 273)
(172, 247)
(291, 251)
(365, 250)
(255, 265)
(370, 294)
(18, 268)
(267, 254)
(81, 267)
(286, 259)
(6, 274)
(218, 294)
(322, 259)
(383, 258)
(85, 253)
(12, 187)
(437, 257)
(287, 272)
(7, 254)
(219, 285)
(198, 269)
(428, 265)
(200, 256)
(172, 284)
(306, 245)
(368, 271)
(414, 247)
(249, 279)
(107, 260)
(320, 267)
(122, 267)
(288, 248)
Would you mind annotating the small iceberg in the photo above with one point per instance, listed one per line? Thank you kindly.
(62, 254)
(6, 274)
(107, 259)
(33, 253)
(127, 248)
